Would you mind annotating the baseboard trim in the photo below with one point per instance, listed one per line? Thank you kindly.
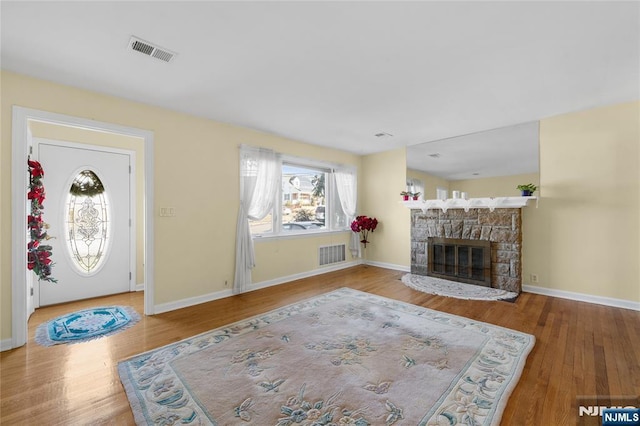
(191, 301)
(6, 345)
(288, 278)
(388, 266)
(581, 297)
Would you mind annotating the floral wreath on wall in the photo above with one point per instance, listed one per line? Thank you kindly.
(38, 255)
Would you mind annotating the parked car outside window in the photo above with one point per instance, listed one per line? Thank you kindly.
(299, 226)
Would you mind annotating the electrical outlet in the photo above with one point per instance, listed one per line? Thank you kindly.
(534, 278)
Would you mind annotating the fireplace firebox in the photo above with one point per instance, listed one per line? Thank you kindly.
(467, 261)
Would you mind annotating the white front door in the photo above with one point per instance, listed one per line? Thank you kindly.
(88, 209)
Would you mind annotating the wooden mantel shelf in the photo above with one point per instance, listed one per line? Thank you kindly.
(490, 203)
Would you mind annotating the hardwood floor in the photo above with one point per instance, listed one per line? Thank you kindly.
(581, 349)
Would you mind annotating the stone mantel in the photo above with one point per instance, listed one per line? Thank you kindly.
(490, 203)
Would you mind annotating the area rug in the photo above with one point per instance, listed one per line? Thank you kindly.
(345, 357)
(458, 290)
(85, 325)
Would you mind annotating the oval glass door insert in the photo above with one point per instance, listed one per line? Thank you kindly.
(87, 224)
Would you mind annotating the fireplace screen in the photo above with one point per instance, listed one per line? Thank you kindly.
(467, 261)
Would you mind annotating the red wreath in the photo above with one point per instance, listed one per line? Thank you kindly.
(38, 255)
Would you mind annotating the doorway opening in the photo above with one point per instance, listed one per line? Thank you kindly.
(29, 122)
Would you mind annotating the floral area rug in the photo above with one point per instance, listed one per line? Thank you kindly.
(85, 325)
(458, 290)
(345, 357)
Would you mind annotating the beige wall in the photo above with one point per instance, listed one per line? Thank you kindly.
(502, 186)
(585, 236)
(384, 176)
(196, 171)
(431, 183)
(92, 137)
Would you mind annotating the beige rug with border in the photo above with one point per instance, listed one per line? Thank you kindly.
(345, 357)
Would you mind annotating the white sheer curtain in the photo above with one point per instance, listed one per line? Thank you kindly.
(347, 188)
(259, 179)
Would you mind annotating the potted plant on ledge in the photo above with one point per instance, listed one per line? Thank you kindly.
(405, 195)
(527, 190)
(415, 195)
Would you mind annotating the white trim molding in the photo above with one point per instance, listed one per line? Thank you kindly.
(288, 278)
(6, 345)
(490, 203)
(581, 297)
(192, 301)
(388, 266)
(20, 124)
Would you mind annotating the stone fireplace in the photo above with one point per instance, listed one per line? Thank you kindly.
(500, 228)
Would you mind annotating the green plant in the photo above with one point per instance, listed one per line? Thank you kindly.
(302, 215)
(529, 187)
(415, 194)
(405, 193)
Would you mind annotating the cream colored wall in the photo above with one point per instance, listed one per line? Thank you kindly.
(384, 176)
(431, 183)
(585, 236)
(502, 186)
(91, 137)
(281, 258)
(196, 171)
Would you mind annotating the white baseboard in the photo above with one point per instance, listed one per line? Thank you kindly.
(140, 287)
(288, 278)
(388, 266)
(191, 301)
(581, 297)
(6, 345)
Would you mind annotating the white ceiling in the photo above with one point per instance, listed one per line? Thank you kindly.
(506, 151)
(337, 73)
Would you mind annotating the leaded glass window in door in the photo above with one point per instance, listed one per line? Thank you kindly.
(87, 224)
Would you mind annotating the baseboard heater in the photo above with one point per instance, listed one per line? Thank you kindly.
(328, 255)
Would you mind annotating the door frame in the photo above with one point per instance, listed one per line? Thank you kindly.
(132, 200)
(19, 184)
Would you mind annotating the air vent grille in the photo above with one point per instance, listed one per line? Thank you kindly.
(331, 254)
(150, 49)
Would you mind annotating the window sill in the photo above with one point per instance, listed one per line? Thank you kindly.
(295, 235)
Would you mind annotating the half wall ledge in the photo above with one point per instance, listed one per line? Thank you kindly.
(490, 203)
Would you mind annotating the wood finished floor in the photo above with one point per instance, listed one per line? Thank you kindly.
(581, 349)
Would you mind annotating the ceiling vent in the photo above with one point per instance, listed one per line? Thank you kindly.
(151, 49)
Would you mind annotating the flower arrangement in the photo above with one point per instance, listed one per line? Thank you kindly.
(364, 225)
(38, 255)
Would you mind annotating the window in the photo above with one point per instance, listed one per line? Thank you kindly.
(307, 201)
(88, 222)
